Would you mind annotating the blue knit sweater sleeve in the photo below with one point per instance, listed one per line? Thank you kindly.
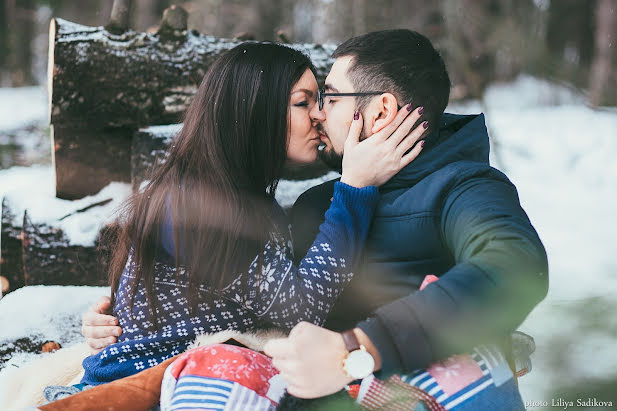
(283, 294)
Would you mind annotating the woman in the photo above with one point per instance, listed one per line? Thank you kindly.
(205, 247)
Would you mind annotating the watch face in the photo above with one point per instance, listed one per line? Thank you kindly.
(359, 364)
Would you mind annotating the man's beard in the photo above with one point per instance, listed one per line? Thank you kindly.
(331, 158)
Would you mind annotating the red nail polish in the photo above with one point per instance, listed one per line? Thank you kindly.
(356, 115)
(422, 143)
(425, 125)
(421, 110)
(409, 107)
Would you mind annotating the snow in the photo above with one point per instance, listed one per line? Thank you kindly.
(55, 305)
(22, 106)
(561, 156)
(288, 191)
(31, 189)
(56, 316)
(165, 131)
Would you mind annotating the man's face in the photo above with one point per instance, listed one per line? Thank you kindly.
(337, 114)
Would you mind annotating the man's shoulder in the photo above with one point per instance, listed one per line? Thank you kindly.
(445, 182)
(317, 194)
(464, 170)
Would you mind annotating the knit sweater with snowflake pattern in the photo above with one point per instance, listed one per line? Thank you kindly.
(280, 294)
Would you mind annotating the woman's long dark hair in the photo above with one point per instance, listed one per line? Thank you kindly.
(220, 176)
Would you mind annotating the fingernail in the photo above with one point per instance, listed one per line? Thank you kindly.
(408, 107)
(117, 333)
(421, 110)
(425, 124)
(422, 143)
(112, 322)
(356, 115)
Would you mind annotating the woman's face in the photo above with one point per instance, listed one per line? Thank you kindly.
(302, 137)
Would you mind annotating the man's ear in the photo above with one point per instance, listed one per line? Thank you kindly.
(383, 109)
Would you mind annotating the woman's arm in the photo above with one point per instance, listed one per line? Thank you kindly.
(284, 294)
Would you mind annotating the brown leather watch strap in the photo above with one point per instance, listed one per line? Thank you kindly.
(351, 341)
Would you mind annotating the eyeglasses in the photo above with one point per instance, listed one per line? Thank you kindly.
(321, 94)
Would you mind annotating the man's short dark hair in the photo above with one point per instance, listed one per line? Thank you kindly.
(402, 62)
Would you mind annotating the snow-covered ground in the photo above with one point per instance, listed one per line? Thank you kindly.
(561, 156)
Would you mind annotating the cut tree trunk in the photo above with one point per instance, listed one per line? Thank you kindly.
(104, 86)
(39, 253)
(134, 79)
(149, 150)
(11, 265)
(49, 259)
(4, 285)
(87, 159)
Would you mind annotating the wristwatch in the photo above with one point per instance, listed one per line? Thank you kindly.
(358, 363)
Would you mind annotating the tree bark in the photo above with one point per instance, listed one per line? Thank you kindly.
(570, 30)
(601, 66)
(49, 259)
(103, 87)
(86, 160)
(120, 16)
(16, 37)
(11, 264)
(41, 254)
(135, 79)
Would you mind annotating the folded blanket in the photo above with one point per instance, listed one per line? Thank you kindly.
(64, 368)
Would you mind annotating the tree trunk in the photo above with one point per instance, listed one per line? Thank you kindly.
(103, 87)
(49, 259)
(149, 150)
(135, 79)
(601, 67)
(41, 254)
(11, 264)
(16, 36)
(86, 159)
(569, 30)
(4, 42)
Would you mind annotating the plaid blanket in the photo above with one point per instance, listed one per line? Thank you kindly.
(226, 377)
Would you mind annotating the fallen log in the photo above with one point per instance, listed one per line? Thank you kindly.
(56, 242)
(50, 259)
(11, 265)
(104, 85)
(133, 79)
(88, 159)
(4, 286)
(149, 150)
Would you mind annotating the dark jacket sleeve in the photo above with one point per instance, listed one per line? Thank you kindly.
(500, 274)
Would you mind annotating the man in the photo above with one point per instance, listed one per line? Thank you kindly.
(447, 214)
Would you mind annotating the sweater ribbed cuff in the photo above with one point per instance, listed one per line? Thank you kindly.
(364, 199)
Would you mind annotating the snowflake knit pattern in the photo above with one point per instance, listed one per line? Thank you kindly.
(280, 294)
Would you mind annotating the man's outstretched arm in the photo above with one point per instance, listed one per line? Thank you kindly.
(99, 327)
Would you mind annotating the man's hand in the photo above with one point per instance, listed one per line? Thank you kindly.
(100, 328)
(311, 360)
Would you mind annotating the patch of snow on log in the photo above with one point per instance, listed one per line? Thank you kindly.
(288, 191)
(31, 189)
